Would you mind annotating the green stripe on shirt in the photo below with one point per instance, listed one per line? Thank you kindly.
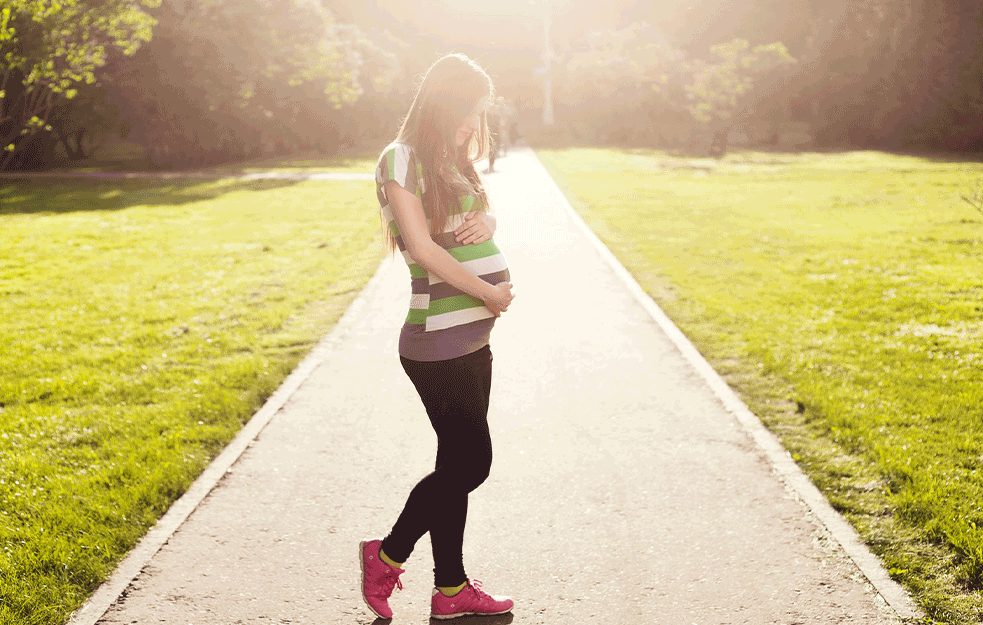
(417, 272)
(416, 316)
(454, 303)
(465, 253)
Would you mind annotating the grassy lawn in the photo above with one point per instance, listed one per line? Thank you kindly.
(842, 296)
(141, 324)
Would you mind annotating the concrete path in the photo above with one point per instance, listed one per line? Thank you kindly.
(623, 490)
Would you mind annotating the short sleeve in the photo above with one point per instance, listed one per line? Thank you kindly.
(399, 164)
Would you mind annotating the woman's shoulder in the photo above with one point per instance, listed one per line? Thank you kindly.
(396, 149)
(398, 162)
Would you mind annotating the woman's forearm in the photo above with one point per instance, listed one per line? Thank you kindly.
(439, 261)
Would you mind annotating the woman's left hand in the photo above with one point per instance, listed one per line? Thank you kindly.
(477, 228)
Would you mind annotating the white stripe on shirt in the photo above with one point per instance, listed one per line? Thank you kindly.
(478, 266)
(458, 317)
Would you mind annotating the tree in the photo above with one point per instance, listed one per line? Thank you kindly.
(634, 82)
(83, 124)
(721, 88)
(48, 50)
(629, 80)
(606, 61)
(225, 80)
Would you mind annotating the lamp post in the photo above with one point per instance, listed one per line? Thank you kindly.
(547, 60)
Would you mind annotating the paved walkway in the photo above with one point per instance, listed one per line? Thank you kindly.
(624, 490)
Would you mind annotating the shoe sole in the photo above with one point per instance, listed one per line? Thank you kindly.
(442, 617)
(361, 566)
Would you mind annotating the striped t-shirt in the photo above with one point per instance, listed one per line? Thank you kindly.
(443, 322)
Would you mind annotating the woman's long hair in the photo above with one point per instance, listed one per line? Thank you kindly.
(450, 90)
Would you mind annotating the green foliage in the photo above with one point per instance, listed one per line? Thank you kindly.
(634, 83)
(220, 80)
(143, 323)
(840, 295)
(719, 88)
(85, 123)
(228, 80)
(606, 61)
(49, 48)
(621, 83)
(894, 73)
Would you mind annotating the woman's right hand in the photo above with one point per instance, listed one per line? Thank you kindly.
(499, 303)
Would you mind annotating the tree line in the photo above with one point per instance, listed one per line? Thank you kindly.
(195, 82)
(198, 82)
(893, 74)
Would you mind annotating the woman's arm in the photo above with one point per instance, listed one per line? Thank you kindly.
(412, 222)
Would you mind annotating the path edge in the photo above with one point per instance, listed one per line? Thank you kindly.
(870, 566)
(132, 565)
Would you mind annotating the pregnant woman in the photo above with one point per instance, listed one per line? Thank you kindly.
(435, 212)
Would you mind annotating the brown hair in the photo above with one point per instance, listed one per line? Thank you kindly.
(449, 92)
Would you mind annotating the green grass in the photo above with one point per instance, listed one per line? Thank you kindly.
(841, 295)
(141, 324)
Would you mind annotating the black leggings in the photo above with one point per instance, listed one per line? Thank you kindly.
(455, 393)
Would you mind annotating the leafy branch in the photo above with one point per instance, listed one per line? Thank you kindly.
(51, 48)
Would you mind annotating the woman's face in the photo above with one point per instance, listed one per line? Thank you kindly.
(472, 124)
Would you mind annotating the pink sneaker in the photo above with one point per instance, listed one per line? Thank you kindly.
(378, 578)
(471, 600)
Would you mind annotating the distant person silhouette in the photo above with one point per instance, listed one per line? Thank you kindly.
(495, 132)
